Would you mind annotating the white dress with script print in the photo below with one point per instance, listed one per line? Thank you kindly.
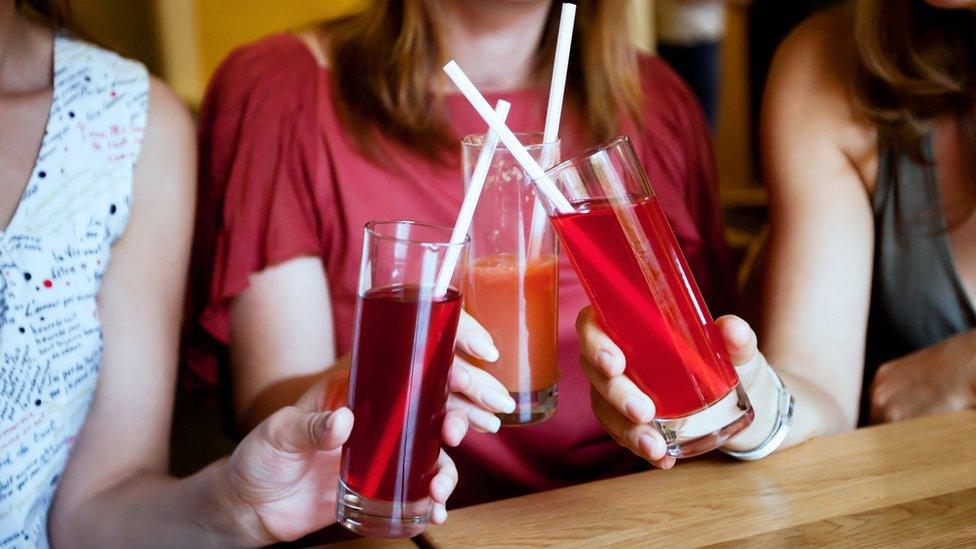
(53, 254)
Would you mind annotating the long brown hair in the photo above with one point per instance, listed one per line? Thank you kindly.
(55, 13)
(384, 59)
(914, 64)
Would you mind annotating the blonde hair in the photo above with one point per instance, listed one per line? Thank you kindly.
(384, 58)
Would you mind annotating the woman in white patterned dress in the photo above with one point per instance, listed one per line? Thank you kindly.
(93, 255)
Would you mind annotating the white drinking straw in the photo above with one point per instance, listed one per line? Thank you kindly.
(560, 67)
(557, 89)
(543, 183)
(471, 197)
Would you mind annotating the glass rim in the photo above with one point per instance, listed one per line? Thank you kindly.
(372, 226)
(586, 153)
(469, 141)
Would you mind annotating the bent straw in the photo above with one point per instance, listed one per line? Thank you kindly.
(542, 182)
(470, 203)
(557, 89)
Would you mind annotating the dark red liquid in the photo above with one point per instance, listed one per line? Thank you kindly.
(402, 353)
(644, 293)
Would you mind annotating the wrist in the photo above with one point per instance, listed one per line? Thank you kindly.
(234, 521)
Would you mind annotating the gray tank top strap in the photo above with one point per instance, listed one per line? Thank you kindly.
(917, 298)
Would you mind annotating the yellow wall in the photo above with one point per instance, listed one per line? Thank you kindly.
(225, 24)
(194, 36)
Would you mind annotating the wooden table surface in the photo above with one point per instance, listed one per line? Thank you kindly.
(372, 543)
(905, 484)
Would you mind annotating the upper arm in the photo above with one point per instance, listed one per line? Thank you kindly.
(140, 306)
(281, 338)
(817, 285)
(266, 218)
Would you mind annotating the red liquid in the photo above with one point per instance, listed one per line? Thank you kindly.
(397, 391)
(646, 298)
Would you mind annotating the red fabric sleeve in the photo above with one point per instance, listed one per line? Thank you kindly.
(689, 129)
(704, 202)
(261, 173)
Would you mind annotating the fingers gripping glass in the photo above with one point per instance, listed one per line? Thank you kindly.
(619, 240)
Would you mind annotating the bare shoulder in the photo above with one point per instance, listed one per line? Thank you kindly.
(810, 89)
(165, 175)
(169, 119)
(812, 66)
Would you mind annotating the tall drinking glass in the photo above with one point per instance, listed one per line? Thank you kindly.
(403, 348)
(511, 281)
(637, 279)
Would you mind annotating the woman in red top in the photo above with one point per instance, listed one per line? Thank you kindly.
(307, 137)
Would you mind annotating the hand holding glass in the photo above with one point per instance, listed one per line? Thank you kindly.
(403, 348)
(643, 291)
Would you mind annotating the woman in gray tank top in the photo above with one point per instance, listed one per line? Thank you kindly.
(870, 170)
(868, 143)
(868, 150)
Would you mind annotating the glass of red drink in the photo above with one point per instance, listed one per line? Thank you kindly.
(645, 296)
(511, 282)
(403, 348)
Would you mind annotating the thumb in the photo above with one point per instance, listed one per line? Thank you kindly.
(742, 345)
(296, 431)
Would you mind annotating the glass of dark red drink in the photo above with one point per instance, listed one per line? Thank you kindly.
(645, 296)
(403, 348)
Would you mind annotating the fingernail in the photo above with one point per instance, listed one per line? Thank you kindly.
(440, 515)
(484, 420)
(648, 445)
(323, 423)
(638, 409)
(739, 334)
(660, 447)
(462, 426)
(606, 362)
(498, 400)
(484, 348)
(494, 424)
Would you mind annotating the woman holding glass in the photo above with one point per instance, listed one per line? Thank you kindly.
(872, 263)
(307, 137)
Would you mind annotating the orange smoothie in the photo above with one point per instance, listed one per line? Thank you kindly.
(521, 318)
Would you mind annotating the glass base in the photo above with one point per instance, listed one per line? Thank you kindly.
(531, 407)
(709, 428)
(381, 519)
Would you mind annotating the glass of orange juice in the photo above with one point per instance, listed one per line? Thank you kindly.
(510, 283)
